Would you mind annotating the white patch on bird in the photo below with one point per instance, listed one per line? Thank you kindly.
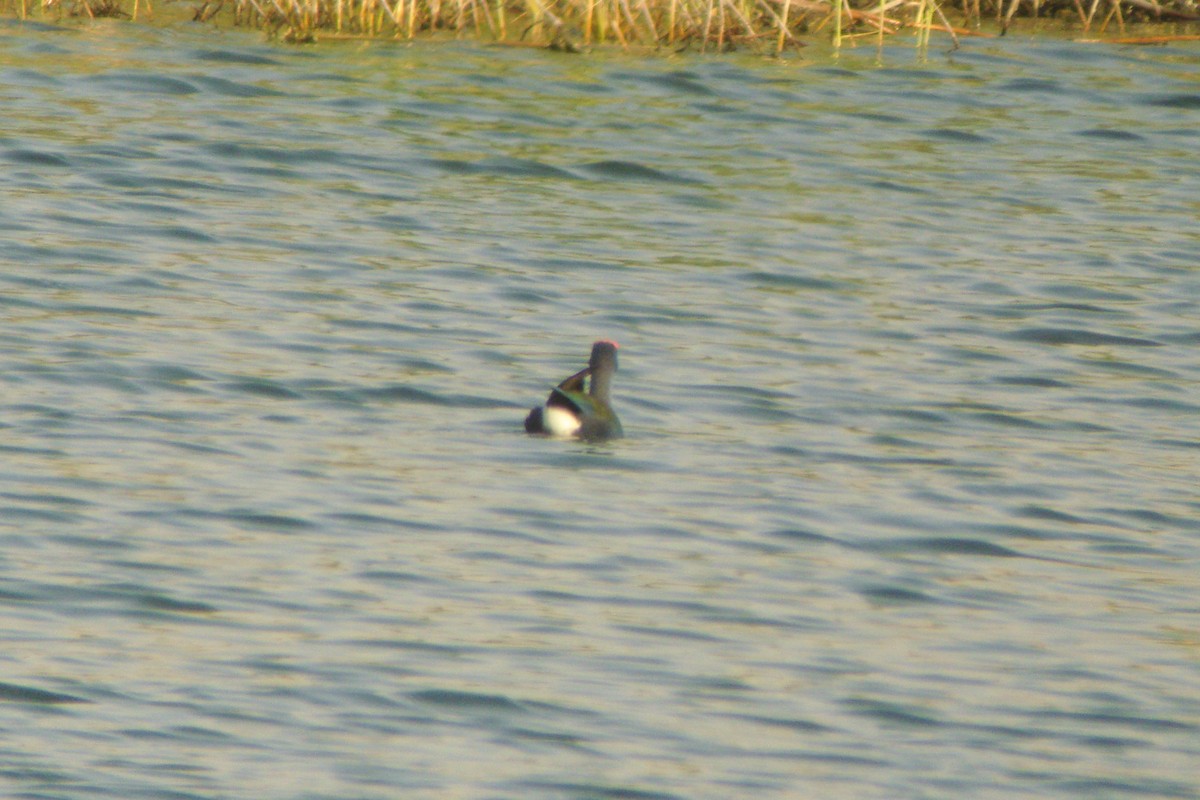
(559, 422)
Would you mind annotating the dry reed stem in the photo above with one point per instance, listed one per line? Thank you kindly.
(654, 37)
(614, 21)
(765, 25)
(1116, 9)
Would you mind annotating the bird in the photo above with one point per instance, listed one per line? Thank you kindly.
(570, 411)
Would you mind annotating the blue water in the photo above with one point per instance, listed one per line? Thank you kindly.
(907, 506)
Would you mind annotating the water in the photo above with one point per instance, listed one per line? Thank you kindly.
(908, 503)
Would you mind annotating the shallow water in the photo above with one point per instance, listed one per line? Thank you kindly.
(908, 503)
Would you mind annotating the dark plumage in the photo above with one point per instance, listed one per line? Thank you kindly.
(573, 411)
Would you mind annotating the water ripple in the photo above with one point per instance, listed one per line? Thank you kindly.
(16, 693)
(142, 83)
(1080, 336)
(631, 171)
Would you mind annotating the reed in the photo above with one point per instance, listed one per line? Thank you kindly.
(574, 25)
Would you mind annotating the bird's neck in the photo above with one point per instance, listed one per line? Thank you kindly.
(601, 382)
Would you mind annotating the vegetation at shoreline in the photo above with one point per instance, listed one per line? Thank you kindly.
(575, 25)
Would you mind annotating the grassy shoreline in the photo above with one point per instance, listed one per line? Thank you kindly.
(701, 25)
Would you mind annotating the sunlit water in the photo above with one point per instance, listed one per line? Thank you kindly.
(908, 504)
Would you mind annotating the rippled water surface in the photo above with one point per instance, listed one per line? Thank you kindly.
(908, 503)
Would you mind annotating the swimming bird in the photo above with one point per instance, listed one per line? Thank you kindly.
(572, 411)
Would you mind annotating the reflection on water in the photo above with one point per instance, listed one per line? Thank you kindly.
(907, 504)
